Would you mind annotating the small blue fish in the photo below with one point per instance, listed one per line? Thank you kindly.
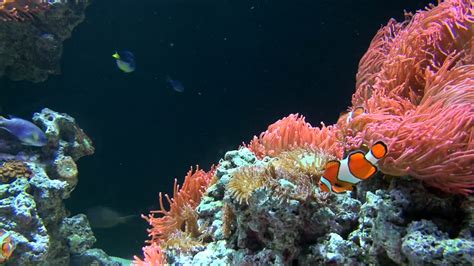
(175, 84)
(25, 131)
(125, 61)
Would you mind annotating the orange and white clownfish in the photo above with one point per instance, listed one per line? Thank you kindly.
(349, 116)
(341, 175)
(7, 246)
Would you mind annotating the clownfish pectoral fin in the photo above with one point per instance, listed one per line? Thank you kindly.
(325, 185)
(379, 150)
(360, 167)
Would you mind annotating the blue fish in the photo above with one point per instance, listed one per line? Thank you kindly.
(125, 61)
(25, 131)
(175, 84)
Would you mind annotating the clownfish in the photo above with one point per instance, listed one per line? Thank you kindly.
(349, 116)
(7, 246)
(355, 113)
(341, 175)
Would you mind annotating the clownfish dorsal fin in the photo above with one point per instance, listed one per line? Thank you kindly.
(379, 150)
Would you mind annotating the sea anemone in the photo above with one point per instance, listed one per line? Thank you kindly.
(416, 84)
(303, 161)
(245, 181)
(294, 132)
(181, 215)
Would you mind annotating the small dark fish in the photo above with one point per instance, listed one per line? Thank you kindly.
(105, 217)
(25, 131)
(175, 84)
(125, 61)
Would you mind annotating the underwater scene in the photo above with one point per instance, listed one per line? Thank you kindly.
(236, 132)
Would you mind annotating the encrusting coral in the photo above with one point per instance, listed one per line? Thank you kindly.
(13, 169)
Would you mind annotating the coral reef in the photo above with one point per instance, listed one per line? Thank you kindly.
(31, 36)
(398, 222)
(13, 169)
(178, 227)
(415, 93)
(31, 202)
(68, 143)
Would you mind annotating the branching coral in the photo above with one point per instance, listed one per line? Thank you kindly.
(293, 132)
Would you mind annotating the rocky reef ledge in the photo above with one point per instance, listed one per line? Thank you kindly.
(34, 183)
(31, 49)
(394, 221)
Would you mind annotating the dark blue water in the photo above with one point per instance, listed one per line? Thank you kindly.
(243, 64)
